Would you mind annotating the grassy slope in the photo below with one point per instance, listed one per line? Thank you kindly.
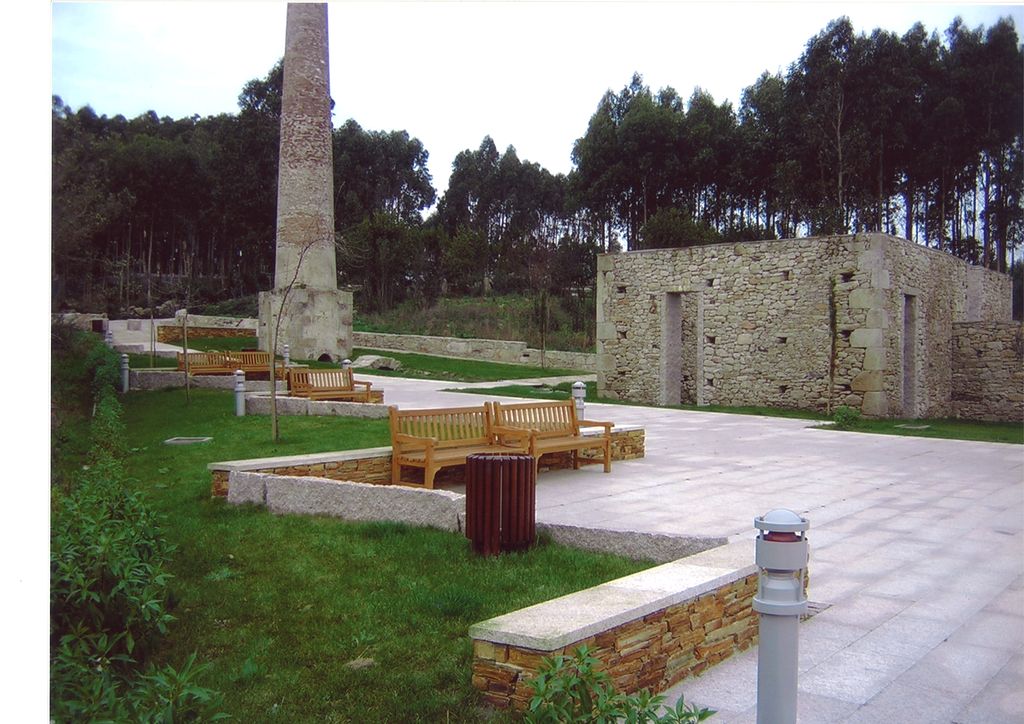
(281, 604)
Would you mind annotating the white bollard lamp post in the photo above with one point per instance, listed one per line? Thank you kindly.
(579, 395)
(240, 393)
(781, 554)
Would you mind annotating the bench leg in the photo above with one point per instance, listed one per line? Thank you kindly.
(575, 459)
(396, 470)
(428, 478)
(607, 456)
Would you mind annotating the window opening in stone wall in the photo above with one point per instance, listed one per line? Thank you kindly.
(846, 277)
(845, 334)
(909, 356)
(710, 339)
(782, 340)
(710, 382)
(710, 282)
(785, 275)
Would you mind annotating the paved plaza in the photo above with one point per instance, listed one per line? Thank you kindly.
(917, 552)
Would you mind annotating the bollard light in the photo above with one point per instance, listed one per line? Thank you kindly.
(287, 355)
(239, 393)
(124, 373)
(781, 554)
(579, 394)
(346, 364)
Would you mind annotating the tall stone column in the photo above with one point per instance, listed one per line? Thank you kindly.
(315, 317)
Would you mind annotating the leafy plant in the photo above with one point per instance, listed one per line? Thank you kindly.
(574, 689)
(846, 418)
(109, 593)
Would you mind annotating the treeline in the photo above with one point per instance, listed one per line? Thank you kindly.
(913, 135)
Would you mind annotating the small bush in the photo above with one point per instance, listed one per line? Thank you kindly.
(846, 418)
(109, 593)
(572, 689)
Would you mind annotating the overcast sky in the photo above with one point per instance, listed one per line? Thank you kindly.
(529, 74)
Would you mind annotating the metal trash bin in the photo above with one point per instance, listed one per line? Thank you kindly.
(501, 497)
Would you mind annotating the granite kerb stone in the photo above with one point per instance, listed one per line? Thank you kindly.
(657, 547)
(362, 502)
(285, 461)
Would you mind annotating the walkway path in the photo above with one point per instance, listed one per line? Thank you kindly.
(917, 549)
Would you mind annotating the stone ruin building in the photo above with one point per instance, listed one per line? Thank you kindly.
(870, 321)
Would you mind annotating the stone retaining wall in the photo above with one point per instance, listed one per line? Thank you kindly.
(373, 465)
(988, 371)
(200, 325)
(649, 630)
(491, 350)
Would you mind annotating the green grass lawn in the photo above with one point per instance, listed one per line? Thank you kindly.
(284, 608)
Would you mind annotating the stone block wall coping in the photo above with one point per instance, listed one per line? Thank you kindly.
(563, 621)
(285, 461)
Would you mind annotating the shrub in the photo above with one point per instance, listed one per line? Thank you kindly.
(572, 689)
(109, 593)
(846, 418)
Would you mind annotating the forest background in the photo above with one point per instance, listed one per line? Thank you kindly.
(918, 135)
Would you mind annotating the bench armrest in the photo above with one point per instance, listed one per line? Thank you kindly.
(413, 441)
(362, 383)
(517, 433)
(596, 423)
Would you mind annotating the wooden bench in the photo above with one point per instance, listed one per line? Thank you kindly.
(332, 384)
(552, 427)
(440, 438)
(256, 361)
(206, 363)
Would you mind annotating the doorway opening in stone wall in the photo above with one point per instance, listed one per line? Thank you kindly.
(681, 350)
(909, 356)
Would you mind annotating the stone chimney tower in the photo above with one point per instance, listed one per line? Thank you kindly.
(315, 317)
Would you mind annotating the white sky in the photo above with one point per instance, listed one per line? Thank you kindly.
(529, 74)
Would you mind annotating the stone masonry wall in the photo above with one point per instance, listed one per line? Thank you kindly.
(654, 651)
(936, 290)
(988, 371)
(805, 323)
(754, 318)
(492, 350)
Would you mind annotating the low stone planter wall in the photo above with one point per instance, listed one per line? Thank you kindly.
(259, 404)
(159, 379)
(444, 509)
(650, 630)
(491, 350)
(373, 465)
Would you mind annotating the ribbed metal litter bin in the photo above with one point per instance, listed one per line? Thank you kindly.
(501, 496)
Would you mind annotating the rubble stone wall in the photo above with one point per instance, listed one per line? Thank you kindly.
(988, 371)
(801, 323)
